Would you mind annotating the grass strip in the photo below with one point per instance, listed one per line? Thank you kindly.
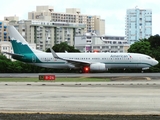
(80, 79)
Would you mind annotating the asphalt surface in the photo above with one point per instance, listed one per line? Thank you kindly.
(152, 75)
(38, 116)
(117, 100)
(125, 97)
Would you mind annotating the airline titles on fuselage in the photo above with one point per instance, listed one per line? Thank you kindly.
(122, 56)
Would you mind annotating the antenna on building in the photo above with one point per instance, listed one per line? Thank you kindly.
(6, 19)
(93, 33)
(50, 10)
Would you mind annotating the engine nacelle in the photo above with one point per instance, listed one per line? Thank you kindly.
(71, 66)
(146, 68)
(98, 67)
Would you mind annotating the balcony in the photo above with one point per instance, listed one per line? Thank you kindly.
(5, 33)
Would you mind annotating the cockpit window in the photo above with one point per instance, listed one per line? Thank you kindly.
(148, 57)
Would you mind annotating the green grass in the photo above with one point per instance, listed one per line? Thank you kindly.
(81, 79)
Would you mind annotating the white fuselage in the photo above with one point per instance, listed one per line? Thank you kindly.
(111, 60)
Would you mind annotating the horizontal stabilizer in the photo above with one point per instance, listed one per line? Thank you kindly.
(13, 55)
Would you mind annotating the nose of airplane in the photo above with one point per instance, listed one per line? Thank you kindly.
(155, 62)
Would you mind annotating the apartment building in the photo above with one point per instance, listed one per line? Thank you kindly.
(3, 27)
(5, 46)
(45, 33)
(94, 43)
(9, 18)
(72, 15)
(138, 24)
(3, 31)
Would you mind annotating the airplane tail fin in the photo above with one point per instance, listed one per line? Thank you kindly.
(19, 44)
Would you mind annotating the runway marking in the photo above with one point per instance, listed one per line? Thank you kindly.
(148, 78)
(85, 84)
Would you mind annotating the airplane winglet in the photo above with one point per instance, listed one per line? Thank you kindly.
(68, 60)
(55, 55)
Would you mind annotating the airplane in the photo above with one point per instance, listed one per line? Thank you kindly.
(85, 62)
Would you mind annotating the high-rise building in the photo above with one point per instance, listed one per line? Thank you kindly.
(72, 15)
(3, 27)
(9, 18)
(138, 24)
(3, 31)
(45, 33)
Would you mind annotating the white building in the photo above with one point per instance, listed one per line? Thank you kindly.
(138, 24)
(3, 27)
(93, 43)
(45, 33)
(3, 31)
(5, 46)
(72, 15)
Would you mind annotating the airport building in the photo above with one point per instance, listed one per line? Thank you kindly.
(72, 15)
(138, 24)
(94, 43)
(45, 34)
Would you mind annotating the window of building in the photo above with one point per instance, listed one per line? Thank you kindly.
(114, 42)
(88, 37)
(4, 48)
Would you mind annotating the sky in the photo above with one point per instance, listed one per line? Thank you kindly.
(113, 11)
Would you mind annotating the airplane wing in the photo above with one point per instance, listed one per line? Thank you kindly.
(13, 55)
(69, 60)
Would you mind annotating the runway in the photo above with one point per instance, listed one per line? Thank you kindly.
(151, 75)
(115, 97)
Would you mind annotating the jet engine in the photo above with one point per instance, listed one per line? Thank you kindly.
(98, 67)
